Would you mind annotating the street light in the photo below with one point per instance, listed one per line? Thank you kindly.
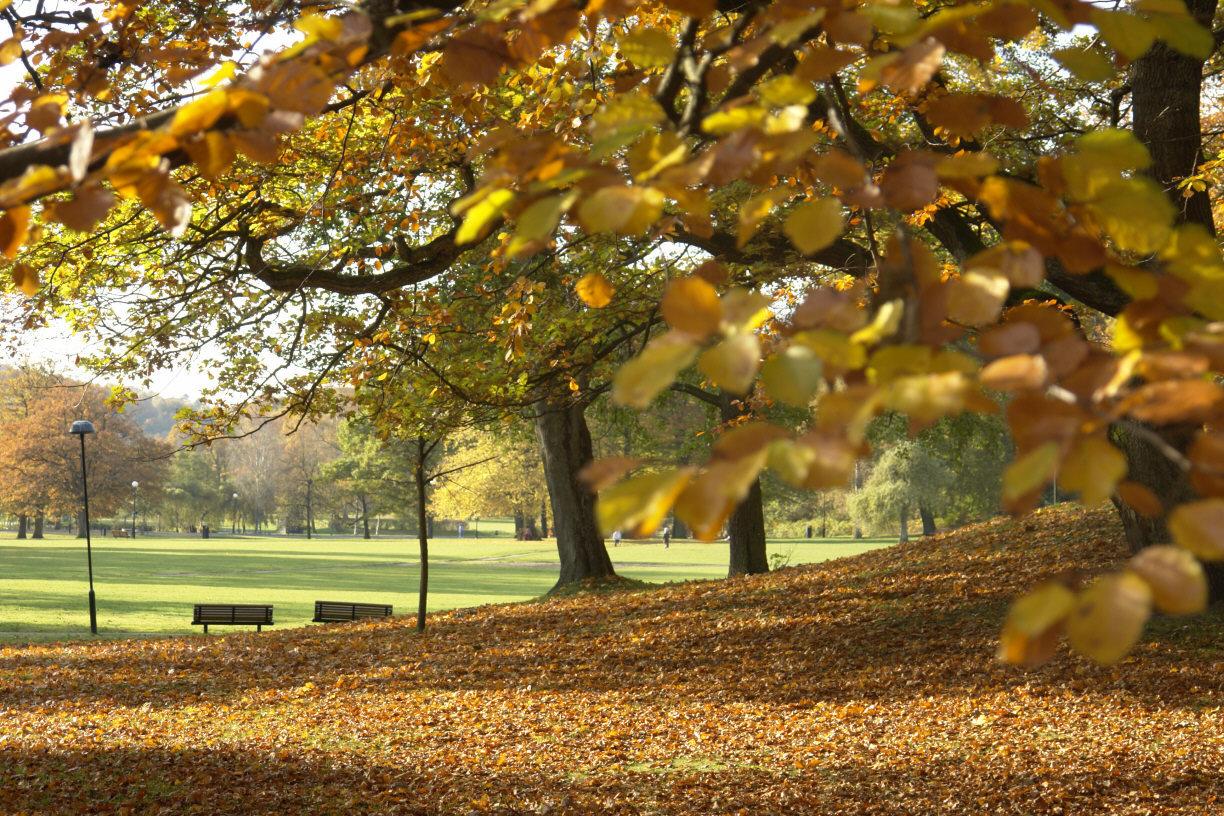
(234, 517)
(80, 428)
(135, 484)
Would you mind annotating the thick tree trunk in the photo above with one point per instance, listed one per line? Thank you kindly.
(519, 525)
(422, 534)
(904, 518)
(81, 524)
(928, 521)
(1166, 95)
(39, 521)
(365, 516)
(746, 527)
(22, 521)
(1166, 91)
(543, 519)
(747, 533)
(565, 445)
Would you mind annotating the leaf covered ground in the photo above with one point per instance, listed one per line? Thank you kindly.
(865, 685)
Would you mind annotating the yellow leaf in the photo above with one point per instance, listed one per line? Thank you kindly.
(793, 376)
(648, 47)
(691, 305)
(536, 223)
(1176, 578)
(200, 114)
(26, 279)
(224, 72)
(594, 289)
(1030, 634)
(814, 225)
(786, 89)
(1136, 213)
(212, 153)
(1029, 473)
(732, 364)
(1109, 616)
(1086, 64)
(250, 107)
(976, 298)
(709, 499)
(755, 210)
(1100, 158)
(10, 50)
(319, 26)
(640, 380)
(479, 218)
(638, 504)
(622, 210)
(744, 310)
(1199, 527)
(14, 229)
(883, 325)
(1093, 469)
(1128, 34)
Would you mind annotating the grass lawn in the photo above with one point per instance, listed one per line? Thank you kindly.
(148, 584)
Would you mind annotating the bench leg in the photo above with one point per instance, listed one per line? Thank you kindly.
(206, 628)
(259, 627)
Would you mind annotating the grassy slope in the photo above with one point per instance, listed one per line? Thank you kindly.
(863, 685)
(149, 584)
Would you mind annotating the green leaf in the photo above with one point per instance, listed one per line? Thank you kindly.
(793, 376)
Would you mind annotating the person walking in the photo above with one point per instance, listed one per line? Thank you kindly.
(667, 537)
(616, 538)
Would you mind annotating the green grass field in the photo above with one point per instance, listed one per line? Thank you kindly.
(147, 585)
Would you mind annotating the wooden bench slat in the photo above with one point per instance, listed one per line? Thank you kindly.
(257, 615)
(339, 611)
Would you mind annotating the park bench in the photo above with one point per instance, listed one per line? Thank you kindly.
(340, 611)
(256, 615)
(119, 532)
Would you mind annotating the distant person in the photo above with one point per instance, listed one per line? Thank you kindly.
(616, 537)
(460, 528)
(809, 531)
(666, 538)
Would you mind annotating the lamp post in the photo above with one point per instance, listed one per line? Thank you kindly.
(234, 517)
(82, 427)
(135, 485)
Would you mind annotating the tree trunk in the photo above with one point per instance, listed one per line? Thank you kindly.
(680, 529)
(422, 534)
(928, 521)
(22, 522)
(39, 520)
(746, 527)
(309, 508)
(904, 514)
(858, 484)
(747, 533)
(365, 516)
(81, 524)
(543, 519)
(565, 445)
(1166, 95)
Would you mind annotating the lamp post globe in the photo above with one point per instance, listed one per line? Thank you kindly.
(82, 428)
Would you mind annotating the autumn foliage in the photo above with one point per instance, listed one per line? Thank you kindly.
(864, 685)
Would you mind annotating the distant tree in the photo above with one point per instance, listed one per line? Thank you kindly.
(905, 478)
(197, 491)
(503, 475)
(42, 461)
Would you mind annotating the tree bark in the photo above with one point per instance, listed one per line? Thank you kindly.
(928, 521)
(543, 519)
(39, 521)
(22, 522)
(1166, 92)
(422, 534)
(904, 514)
(746, 527)
(858, 485)
(1166, 96)
(365, 515)
(81, 524)
(309, 508)
(565, 445)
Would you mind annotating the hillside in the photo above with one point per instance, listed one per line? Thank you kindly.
(865, 685)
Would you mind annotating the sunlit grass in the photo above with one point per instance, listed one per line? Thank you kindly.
(148, 584)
